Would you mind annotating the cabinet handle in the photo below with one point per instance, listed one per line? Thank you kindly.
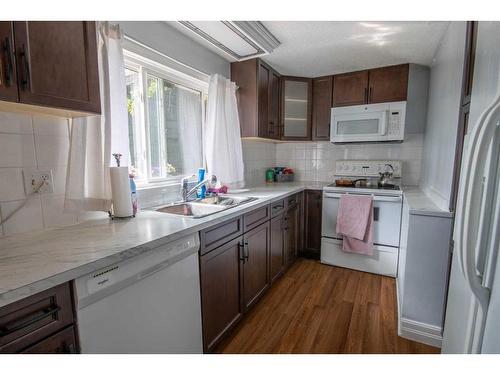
(366, 94)
(370, 95)
(25, 81)
(241, 251)
(247, 255)
(45, 313)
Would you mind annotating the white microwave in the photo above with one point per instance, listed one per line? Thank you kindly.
(368, 123)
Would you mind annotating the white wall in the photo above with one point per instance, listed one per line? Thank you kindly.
(164, 38)
(442, 116)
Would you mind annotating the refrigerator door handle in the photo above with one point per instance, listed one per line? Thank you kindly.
(482, 135)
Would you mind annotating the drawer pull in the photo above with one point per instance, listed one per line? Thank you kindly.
(43, 315)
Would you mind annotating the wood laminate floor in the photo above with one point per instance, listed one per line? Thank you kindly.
(315, 308)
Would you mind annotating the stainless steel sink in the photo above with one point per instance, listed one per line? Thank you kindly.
(204, 207)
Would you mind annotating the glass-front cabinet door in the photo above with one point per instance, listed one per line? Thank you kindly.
(296, 108)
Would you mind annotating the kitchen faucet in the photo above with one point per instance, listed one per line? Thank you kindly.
(184, 185)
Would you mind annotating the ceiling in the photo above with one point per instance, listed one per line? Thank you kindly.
(316, 48)
(313, 49)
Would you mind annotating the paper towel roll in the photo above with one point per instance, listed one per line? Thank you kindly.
(120, 190)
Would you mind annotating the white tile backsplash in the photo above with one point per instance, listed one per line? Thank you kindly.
(315, 161)
(29, 143)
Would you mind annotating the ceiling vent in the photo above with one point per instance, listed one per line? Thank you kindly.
(240, 40)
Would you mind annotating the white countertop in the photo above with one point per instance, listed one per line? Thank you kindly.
(35, 261)
(421, 204)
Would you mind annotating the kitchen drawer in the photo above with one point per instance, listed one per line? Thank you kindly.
(32, 319)
(219, 234)
(384, 260)
(255, 218)
(277, 207)
(59, 343)
(292, 200)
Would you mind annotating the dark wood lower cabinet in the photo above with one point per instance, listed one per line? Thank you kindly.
(255, 264)
(61, 343)
(8, 73)
(291, 233)
(312, 223)
(277, 248)
(220, 275)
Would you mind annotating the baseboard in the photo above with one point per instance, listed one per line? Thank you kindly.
(420, 332)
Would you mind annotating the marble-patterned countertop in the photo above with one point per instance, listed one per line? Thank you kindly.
(420, 204)
(35, 261)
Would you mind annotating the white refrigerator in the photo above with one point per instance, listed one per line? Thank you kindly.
(472, 322)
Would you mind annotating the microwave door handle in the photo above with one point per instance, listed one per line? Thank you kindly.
(383, 128)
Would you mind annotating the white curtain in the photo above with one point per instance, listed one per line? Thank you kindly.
(223, 151)
(189, 128)
(95, 138)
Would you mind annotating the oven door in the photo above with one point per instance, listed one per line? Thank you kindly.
(365, 126)
(386, 218)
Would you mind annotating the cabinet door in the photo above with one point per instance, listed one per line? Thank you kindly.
(220, 291)
(255, 267)
(62, 342)
(388, 84)
(291, 234)
(312, 223)
(350, 88)
(322, 107)
(296, 112)
(8, 78)
(57, 64)
(274, 105)
(277, 254)
(263, 101)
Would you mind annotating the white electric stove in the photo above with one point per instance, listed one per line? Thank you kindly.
(387, 208)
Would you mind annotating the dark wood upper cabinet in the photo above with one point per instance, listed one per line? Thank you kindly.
(57, 64)
(220, 291)
(8, 72)
(296, 107)
(255, 265)
(322, 105)
(258, 98)
(350, 88)
(388, 84)
(274, 106)
(312, 223)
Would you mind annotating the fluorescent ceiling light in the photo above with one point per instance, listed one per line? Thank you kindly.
(241, 40)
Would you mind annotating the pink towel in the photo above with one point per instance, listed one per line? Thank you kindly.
(355, 223)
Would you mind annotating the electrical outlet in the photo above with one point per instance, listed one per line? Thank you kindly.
(35, 178)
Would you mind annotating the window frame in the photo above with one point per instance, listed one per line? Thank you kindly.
(144, 67)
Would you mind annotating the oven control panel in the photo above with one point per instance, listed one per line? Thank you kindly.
(368, 168)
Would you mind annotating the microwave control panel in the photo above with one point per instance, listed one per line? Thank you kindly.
(394, 122)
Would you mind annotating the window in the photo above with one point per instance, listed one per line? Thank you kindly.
(165, 121)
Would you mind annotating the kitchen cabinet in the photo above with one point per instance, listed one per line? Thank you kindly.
(291, 233)
(8, 72)
(388, 84)
(220, 274)
(34, 324)
(255, 264)
(258, 98)
(321, 108)
(350, 88)
(312, 223)
(380, 85)
(63, 342)
(296, 108)
(57, 64)
(277, 247)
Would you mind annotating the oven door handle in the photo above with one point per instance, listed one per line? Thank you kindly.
(376, 198)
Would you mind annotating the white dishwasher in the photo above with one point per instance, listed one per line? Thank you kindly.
(147, 304)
